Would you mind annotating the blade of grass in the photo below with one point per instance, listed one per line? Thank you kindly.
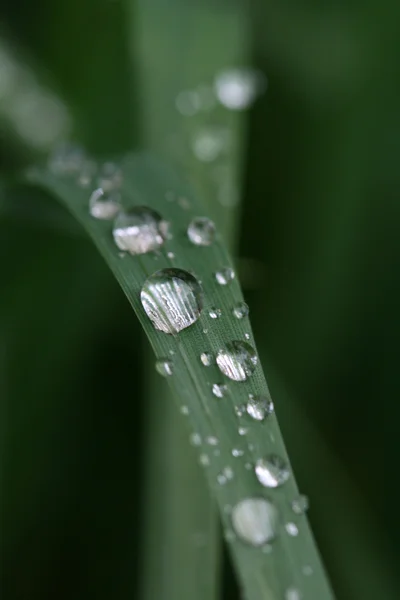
(146, 182)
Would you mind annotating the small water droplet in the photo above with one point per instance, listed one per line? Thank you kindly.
(110, 178)
(215, 313)
(205, 331)
(228, 472)
(307, 570)
(247, 336)
(292, 529)
(237, 88)
(139, 230)
(212, 440)
(164, 367)
(185, 410)
(225, 276)
(243, 431)
(248, 466)
(241, 310)
(255, 521)
(104, 205)
(195, 439)
(210, 143)
(259, 407)
(237, 360)
(272, 471)
(236, 452)
(172, 299)
(300, 504)
(221, 479)
(204, 460)
(201, 231)
(240, 410)
(219, 390)
(292, 594)
(206, 358)
(171, 255)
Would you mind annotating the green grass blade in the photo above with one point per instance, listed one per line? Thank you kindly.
(263, 576)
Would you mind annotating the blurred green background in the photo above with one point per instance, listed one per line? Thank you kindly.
(317, 242)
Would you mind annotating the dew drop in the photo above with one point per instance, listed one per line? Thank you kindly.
(248, 466)
(215, 313)
(236, 452)
(195, 439)
(259, 407)
(307, 570)
(292, 594)
(139, 230)
(104, 205)
(185, 410)
(204, 460)
(206, 358)
(110, 178)
(225, 276)
(255, 521)
(237, 88)
(292, 529)
(171, 255)
(221, 479)
(172, 299)
(164, 367)
(228, 472)
(237, 360)
(201, 231)
(241, 310)
(219, 390)
(212, 440)
(240, 410)
(209, 144)
(272, 471)
(300, 504)
(243, 431)
(247, 336)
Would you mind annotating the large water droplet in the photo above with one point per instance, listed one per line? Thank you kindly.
(201, 231)
(300, 504)
(139, 230)
(259, 407)
(104, 205)
(272, 471)
(241, 310)
(224, 276)
(255, 521)
(172, 299)
(164, 367)
(238, 88)
(237, 360)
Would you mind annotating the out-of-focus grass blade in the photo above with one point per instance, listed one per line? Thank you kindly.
(263, 576)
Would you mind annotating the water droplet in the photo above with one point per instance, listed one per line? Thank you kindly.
(241, 310)
(221, 479)
(237, 88)
(139, 230)
(247, 336)
(172, 299)
(215, 313)
(110, 178)
(259, 407)
(201, 231)
(204, 460)
(236, 452)
(225, 276)
(228, 472)
(185, 410)
(206, 358)
(212, 440)
(104, 205)
(243, 431)
(219, 390)
(255, 521)
(171, 255)
(292, 529)
(272, 471)
(237, 360)
(209, 143)
(195, 439)
(164, 367)
(292, 594)
(307, 570)
(300, 504)
(240, 410)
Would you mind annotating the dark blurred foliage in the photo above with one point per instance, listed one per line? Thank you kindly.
(321, 220)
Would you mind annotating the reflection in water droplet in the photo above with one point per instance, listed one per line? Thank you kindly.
(201, 231)
(300, 504)
(219, 390)
(224, 276)
(164, 367)
(237, 360)
(215, 313)
(139, 230)
(272, 471)
(172, 299)
(206, 358)
(259, 407)
(237, 88)
(292, 529)
(103, 205)
(241, 310)
(255, 521)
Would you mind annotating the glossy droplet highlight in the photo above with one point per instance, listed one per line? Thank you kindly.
(292, 529)
(206, 358)
(292, 594)
(300, 504)
(255, 521)
(237, 88)
(241, 310)
(172, 299)
(259, 407)
(139, 230)
(201, 231)
(219, 390)
(237, 360)
(104, 205)
(164, 367)
(224, 276)
(215, 313)
(272, 471)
